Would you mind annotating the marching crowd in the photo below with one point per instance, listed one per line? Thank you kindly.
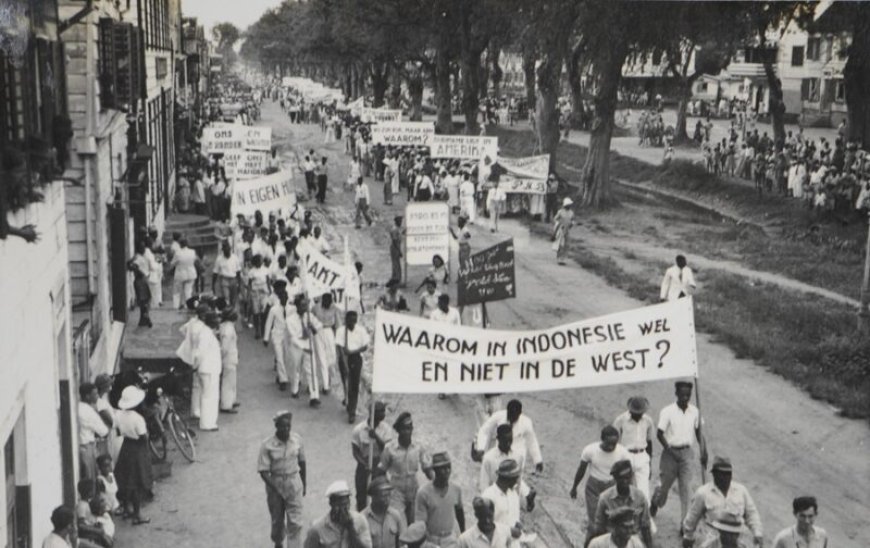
(256, 283)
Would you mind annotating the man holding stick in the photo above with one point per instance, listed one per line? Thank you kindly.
(368, 440)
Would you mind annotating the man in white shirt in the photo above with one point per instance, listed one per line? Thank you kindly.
(445, 313)
(495, 201)
(302, 326)
(524, 437)
(467, 207)
(318, 241)
(62, 519)
(507, 497)
(226, 276)
(636, 432)
(308, 168)
(353, 340)
(184, 265)
(678, 281)
(503, 451)
(486, 533)
(207, 364)
(599, 458)
(91, 427)
(678, 429)
(362, 201)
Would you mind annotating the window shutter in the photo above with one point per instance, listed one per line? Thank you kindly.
(805, 89)
(124, 53)
(108, 63)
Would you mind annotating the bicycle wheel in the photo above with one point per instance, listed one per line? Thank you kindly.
(181, 434)
(157, 445)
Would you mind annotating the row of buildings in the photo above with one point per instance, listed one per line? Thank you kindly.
(94, 95)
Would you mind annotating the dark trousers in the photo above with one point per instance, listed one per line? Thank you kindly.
(354, 370)
(309, 182)
(361, 482)
(321, 188)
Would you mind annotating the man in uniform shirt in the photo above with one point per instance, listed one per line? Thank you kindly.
(302, 326)
(803, 534)
(353, 340)
(717, 497)
(400, 460)
(636, 431)
(367, 442)
(281, 464)
(227, 275)
(91, 427)
(621, 535)
(507, 497)
(385, 524)
(439, 505)
(678, 281)
(340, 527)
(621, 495)
(523, 432)
(503, 451)
(679, 426)
(486, 533)
(598, 458)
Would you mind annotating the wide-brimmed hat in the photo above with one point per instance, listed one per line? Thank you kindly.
(567, 202)
(638, 405)
(380, 483)
(131, 397)
(440, 459)
(728, 522)
(721, 464)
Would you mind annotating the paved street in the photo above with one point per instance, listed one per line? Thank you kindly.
(782, 443)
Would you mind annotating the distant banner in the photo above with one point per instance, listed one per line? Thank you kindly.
(419, 356)
(223, 139)
(258, 138)
(403, 133)
(525, 175)
(464, 147)
(320, 275)
(488, 275)
(426, 232)
(275, 192)
(356, 107)
(380, 115)
(250, 164)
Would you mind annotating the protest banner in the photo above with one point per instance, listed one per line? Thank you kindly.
(420, 356)
(258, 138)
(223, 139)
(380, 115)
(275, 192)
(525, 175)
(488, 275)
(250, 164)
(403, 133)
(426, 232)
(320, 274)
(463, 147)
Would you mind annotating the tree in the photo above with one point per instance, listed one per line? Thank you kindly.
(226, 35)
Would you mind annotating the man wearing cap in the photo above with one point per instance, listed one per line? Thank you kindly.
(385, 524)
(678, 429)
(523, 432)
(804, 533)
(636, 432)
(400, 461)
(486, 533)
(340, 527)
(621, 495)
(415, 536)
(505, 495)
(622, 534)
(718, 496)
(367, 442)
(598, 458)
(726, 530)
(503, 451)
(281, 464)
(439, 504)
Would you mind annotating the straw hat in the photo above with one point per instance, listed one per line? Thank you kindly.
(131, 397)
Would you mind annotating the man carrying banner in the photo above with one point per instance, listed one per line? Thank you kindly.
(367, 442)
(302, 327)
(353, 340)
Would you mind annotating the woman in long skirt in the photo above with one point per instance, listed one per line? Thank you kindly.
(133, 470)
(324, 340)
(563, 221)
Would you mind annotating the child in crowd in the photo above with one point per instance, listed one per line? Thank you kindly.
(107, 483)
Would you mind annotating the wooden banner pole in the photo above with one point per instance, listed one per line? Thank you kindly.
(700, 428)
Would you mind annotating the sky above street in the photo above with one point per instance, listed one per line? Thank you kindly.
(239, 12)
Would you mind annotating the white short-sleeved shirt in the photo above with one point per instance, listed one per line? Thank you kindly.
(227, 267)
(430, 302)
(91, 425)
(679, 426)
(634, 435)
(600, 461)
(451, 316)
(131, 424)
(352, 340)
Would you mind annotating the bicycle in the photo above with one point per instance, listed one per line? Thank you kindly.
(166, 417)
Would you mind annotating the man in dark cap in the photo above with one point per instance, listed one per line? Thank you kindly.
(439, 505)
(621, 495)
(486, 533)
(385, 524)
(678, 429)
(507, 498)
(713, 498)
(340, 527)
(367, 442)
(400, 461)
(636, 432)
(622, 534)
(281, 465)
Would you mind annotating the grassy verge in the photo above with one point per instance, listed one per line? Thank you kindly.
(826, 252)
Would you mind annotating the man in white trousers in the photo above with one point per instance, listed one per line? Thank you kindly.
(636, 432)
(302, 326)
(205, 394)
(276, 333)
(467, 207)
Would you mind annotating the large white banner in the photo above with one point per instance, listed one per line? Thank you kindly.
(464, 147)
(525, 175)
(419, 356)
(380, 115)
(403, 133)
(427, 232)
(275, 192)
(320, 275)
(223, 139)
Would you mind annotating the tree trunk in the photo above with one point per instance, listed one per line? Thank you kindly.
(484, 77)
(415, 92)
(529, 59)
(597, 190)
(470, 90)
(395, 98)
(857, 78)
(575, 82)
(443, 96)
(684, 92)
(380, 74)
(776, 106)
(360, 81)
(546, 114)
(497, 72)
